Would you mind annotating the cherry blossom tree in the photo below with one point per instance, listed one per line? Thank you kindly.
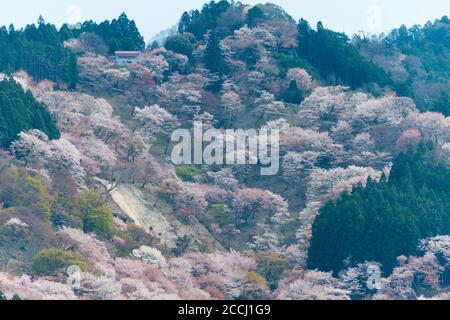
(409, 139)
(313, 285)
(417, 275)
(329, 184)
(268, 106)
(248, 203)
(28, 288)
(156, 64)
(40, 153)
(231, 102)
(100, 72)
(342, 132)
(301, 78)
(363, 142)
(155, 122)
(189, 201)
(297, 166)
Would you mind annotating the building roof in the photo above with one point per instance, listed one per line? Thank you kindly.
(127, 53)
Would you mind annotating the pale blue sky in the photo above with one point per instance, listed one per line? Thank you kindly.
(151, 16)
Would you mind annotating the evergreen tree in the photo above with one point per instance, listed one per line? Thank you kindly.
(384, 220)
(39, 50)
(179, 44)
(254, 15)
(119, 34)
(293, 94)
(214, 59)
(185, 21)
(19, 111)
(336, 59)
(199, 23)
(443, 104)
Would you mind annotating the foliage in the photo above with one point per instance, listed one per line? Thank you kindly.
(220, 214)
(39, 50)
(187, 173)
(133, 237)
(52, 261)
(386, 219)
(271, 265)
(118, 34)
(293, 94)
(25, 191)
(336, 58)
(430, 43)
(417, 57)
(291, 59)
(96, 216)
(214, 59)
(179, 44)
(254, 15)
(443, 104)
(213, 16)
(19, 111)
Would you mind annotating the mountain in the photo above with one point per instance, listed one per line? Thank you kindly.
(361, 194)
(418, 56)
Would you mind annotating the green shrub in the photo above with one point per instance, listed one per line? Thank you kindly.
(96, 216)
(50, 262)
(179, 44)
(272, 266)
(187, 173)
(220, 214)
(134, 237)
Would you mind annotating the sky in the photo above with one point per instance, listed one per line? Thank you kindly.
(349, 16)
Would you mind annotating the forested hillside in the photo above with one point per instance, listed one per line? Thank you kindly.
(21, 112)
(417, 56)
(337, 59)
(118, 34)
(386, 219)
(39, 50)
(88, 181)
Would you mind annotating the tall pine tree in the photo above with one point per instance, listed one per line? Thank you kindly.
(214, 59)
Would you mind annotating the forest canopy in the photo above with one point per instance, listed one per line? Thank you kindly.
(118, 34)
(385, 220)
(39, 50)
(333, 55)
(19, 111)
